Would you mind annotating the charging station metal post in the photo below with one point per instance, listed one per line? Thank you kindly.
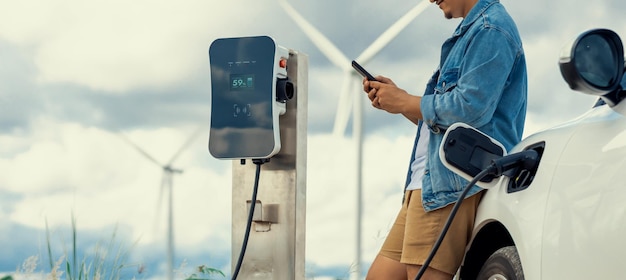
(276, 246)
(259, 112)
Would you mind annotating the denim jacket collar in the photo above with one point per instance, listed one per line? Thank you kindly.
(478, 9)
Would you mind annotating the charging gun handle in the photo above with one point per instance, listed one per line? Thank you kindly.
(527, 158)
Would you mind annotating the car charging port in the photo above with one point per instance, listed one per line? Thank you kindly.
(524, 174)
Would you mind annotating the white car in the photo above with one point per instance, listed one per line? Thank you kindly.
(565, 217)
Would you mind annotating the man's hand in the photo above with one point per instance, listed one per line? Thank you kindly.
(385, 95)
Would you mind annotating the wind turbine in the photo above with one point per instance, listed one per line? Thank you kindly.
(167, 184)
(351, 81)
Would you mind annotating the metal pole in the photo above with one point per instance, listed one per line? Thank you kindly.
(170, 227)
(276, 245)
(358, 136)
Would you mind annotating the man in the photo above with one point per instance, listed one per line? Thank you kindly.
(481, 81)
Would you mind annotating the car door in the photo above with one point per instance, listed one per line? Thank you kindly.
(585, 219)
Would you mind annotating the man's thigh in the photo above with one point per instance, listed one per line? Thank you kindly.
(422, 229)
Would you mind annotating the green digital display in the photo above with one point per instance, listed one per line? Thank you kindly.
(241, 81)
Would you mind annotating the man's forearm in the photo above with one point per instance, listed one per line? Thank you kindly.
(413, 110)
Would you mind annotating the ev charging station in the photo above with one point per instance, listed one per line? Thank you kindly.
(259, 121)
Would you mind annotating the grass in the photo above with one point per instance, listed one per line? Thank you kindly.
(108, 260)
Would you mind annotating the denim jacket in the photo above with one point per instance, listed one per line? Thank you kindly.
(481, 81)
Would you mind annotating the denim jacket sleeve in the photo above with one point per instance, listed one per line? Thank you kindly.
(469, 87)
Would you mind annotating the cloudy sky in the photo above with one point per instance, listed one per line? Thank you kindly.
(79, 77)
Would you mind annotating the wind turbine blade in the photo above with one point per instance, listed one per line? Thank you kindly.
(392, 32)
(344, 106)
(140, 150)
(319, 40)
(185, 145)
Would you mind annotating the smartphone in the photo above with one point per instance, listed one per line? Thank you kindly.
(362, 71)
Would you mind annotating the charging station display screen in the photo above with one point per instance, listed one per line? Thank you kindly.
(242, 81)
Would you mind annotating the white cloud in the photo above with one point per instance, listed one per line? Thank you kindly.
(119, 45)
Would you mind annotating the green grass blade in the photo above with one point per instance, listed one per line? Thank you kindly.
(50, 259)
(68, 270)
(74, 243)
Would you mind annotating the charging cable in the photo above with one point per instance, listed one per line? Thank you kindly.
(526, 159)
(258, 163)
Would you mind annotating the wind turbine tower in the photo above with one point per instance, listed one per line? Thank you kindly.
(351, 87)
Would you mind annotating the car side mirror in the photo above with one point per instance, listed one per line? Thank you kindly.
(594, 64)
(467, 151)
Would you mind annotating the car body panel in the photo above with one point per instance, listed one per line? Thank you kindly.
(585, 217)
(523, 213)
(573, 214)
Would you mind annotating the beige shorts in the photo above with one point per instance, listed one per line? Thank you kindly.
(415, 231)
